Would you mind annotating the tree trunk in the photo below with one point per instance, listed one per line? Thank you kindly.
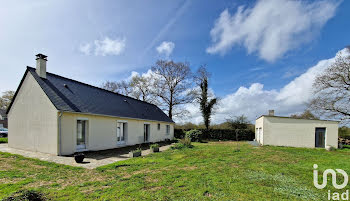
(171, 105)
(170, 112)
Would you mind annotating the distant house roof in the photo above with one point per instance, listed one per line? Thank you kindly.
(296, 118)
(73, 96)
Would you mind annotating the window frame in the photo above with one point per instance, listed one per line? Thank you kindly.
(123, 135)
(86, 134)
(167, 129)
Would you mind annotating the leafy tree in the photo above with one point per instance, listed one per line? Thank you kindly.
(172, 85)
(6, 99)
(307, 114)
(332, 90)
(344, 132)
(206, 104)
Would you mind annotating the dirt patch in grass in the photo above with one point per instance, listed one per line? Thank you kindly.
(10, 181)
(5, 164)
(187, 168)
(234, 165)
(40, 184)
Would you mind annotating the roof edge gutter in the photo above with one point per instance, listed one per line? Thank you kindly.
(93, 114)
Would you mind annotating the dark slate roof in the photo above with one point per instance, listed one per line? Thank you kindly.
(73, 96)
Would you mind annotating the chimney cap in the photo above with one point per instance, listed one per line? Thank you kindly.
(41, 56)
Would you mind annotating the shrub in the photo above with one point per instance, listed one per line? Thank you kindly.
(154, 146)
(179, 133)
(178, 146)
(136, 150)
(3, 140)
(221, 134)
(229, 134)
(195, 135)
(183, 143)
(186, 142)
(26, 195)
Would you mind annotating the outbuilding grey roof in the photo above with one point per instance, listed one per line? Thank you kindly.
(297, 118)
(73, 96)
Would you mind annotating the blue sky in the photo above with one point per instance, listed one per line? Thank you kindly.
(263, 44)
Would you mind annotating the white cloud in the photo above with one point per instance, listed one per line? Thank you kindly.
(147, 74)
(104, 47)
(85, 48)
(271, 27)
(254, 101)
(166, 48)
(109, 47)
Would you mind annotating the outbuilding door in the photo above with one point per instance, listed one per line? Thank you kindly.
(320, 137)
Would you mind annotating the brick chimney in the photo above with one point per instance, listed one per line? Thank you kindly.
(41, 65)
(271, 112)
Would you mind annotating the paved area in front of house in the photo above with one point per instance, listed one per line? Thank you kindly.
(92, 159)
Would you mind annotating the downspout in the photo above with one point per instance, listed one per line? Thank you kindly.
(59, 133)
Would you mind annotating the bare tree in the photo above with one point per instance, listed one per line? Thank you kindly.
(122, 87)
(142, 88)
(173, 85)
(332, 90)
(201, 74)
(110, 86)
(307, 114)
(238, 122)
(206, 104)
(6, 99)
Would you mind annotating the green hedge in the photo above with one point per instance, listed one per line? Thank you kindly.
(221, 134)
(3, 140)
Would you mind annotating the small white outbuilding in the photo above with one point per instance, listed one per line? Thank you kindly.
(292, 132)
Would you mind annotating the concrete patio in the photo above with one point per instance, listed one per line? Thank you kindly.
(92, 159)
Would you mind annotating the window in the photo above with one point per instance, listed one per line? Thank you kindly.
(81, 134)
(167, 129)
(146, 132)
(121, 131)
(158, 126)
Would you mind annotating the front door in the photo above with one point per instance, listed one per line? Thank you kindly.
(320, 137)
(81, 134)
(146, 132)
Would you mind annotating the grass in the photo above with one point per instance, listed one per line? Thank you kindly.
(213, 170)
(3, 140)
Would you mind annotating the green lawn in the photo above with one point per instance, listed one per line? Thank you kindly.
(214, 170)
(3, 140)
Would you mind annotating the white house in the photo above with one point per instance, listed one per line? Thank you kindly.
(61, 116)
(287, 131)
